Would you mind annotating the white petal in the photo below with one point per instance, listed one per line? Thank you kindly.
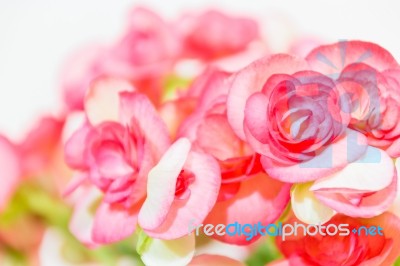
(73, 122)
(372, 172)
(161, 184)
(177, 252)
(81, 223)
(102, 100)
(50, 249)
(307, 207)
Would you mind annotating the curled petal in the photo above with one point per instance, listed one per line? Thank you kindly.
(252, 79)
(372, 172)
(137, 108)
(335, 157)
(203, 194)
(267, 198)
(161, 185)
(357, 204)
(114, 222)
(81, 223)
(365, 188)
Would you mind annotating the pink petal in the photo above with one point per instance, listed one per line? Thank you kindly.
(255, 118)
(209, 86)
(267, 198)
(175, 112)
(102, 99)
(394, 149)
(282, 262)
(391, 228)
(161, 185)
(334, 158)
(252, 79)
(204, 193)
(205, 35)
(114, 222)
(40, 144)
(81, 223)
(215, 129)
(77, 179)
(214, 260)
(111, 161)
(137, 108)
(369, 206)
(332, 59)
(74, 148)
(10, 165)
(80, 69)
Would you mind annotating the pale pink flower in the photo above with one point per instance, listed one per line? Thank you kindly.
(213, 34)
(114, 151)
(295, 118)
(143, 55)
(370, 76)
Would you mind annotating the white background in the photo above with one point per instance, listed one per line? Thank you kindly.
(36, 36)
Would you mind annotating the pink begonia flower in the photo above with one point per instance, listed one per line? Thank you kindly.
(244, 183)
(147, 49)
(206, 35)
(11, 170)
(181, 190)
(348, 250)
(114, 151)
(295, 118)
(41, 145)
(143, 55)
(371, 77)
(81, 68)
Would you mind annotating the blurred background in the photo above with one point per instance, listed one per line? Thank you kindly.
(37, 36)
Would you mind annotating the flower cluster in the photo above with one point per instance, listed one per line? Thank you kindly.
(178, 125)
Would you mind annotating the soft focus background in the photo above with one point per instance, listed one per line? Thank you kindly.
(36, 40)
(37, 36)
